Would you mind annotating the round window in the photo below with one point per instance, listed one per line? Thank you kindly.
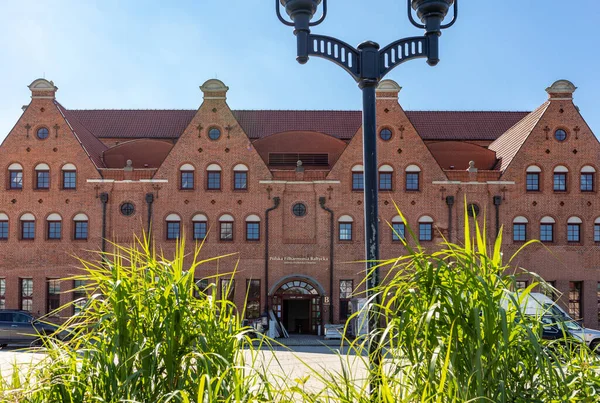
(385, 134)
(127, 209)
(214, 133)
(299, 210)
(42, 133)
(472, 210)
(560, 135)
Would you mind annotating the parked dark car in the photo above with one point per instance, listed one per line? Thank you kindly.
(20, 327)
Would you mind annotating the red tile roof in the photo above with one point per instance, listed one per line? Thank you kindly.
(431, 125)
(507, 146)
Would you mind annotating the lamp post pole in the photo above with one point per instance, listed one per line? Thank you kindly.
(367, 64)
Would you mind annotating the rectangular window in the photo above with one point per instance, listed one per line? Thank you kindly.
(26, 291)
(358, 181)
(28, 230)
(252, 231)
(253, 302)
(575, 299)
(69, 179)
(596, 232)
(43, 179)
(226, 231)
(52, 295)
(345, 231)
(533, 182)
(3, 229)
(412, 181)
(81, 230)
(2, 293)
(187, 180)
(199, 230)
(425, 231)
(521, 285)
(16, 179)
(547, 232)
(560, 182)
(385, 181)
(398, 231)
(54, 229)
(519, 232)
(587, 182)
(173, 230)
(346, 288)
(201, 287)
(549, 292)
(214, 180)
(573, 231)
(240, 180)
(79, 296)
(227, 289)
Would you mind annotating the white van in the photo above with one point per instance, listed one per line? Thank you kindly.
(537, 304)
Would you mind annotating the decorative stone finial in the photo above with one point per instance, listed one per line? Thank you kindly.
(129, 166)
(472, 167)
(561, 89)
(299, 167)
(214, 89)
(42, 88)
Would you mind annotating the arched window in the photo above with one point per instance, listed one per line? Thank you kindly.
(547, 229)
(597, 230)
(425, 228)
(15, 174)
(398, 229)
(252, 228)
(69, 177)
(560, 178)
(186, 177)
(345, 228)
(80, 225)
(413, 173)
(213, 177)
(533, 178)
(42, 176)
(54, 226)
(520, 229)
(574, 229)
(358, 178)
(199, 224)
(27, 227)
(173, 227)
(386, 174)
(240, 177)
(226, 227)
(586, 183)
(3, 227)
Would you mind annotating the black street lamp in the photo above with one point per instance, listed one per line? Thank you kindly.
(368, 65)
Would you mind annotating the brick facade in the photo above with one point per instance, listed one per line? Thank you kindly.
(299, 247)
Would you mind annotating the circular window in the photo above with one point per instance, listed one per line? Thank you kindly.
(385, 134)
(214, 133)
(299, 210)
(42, 133)
(472, 210)
(560, 135)
(127, 209)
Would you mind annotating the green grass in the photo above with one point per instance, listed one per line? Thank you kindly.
(444, 337)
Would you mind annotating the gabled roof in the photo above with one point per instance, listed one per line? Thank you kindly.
(90, 143)
(431, 125)
(507, 145)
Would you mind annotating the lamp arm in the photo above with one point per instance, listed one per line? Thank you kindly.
(402, 51)
(453, 18)
(336, 51)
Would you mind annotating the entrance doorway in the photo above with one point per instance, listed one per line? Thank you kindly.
(297, 304)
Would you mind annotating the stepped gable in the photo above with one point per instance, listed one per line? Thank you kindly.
(507, 145)
(257, 124)
(90, 143)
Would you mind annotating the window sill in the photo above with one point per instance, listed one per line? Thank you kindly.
(213, 190)
(187, 189)
(69, 189)
(412, 190)
(240, 190)
(41, 190)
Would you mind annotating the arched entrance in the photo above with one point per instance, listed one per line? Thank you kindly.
(297, 303)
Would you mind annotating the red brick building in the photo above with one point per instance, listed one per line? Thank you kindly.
(69, 176)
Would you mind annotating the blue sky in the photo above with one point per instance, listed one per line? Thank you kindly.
(500, 55)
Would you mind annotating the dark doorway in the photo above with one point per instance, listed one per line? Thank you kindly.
(296, 315)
